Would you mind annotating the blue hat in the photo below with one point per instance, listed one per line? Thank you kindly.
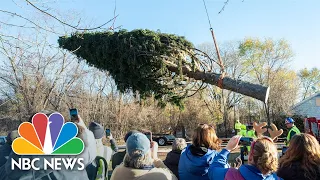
(289, 120)
(138, 141)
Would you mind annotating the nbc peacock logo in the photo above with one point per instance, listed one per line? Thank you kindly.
(48, 136)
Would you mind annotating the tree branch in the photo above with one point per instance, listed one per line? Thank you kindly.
(62, 22)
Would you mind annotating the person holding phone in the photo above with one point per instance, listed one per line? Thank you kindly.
(196, 158)
(99, 134)
(262, 164)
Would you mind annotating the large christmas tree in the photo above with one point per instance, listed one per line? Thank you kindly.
(157, 64)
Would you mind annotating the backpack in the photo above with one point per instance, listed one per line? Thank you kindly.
(98, 169)
(233, 174)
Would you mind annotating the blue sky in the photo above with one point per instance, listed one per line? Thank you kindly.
(294, 20)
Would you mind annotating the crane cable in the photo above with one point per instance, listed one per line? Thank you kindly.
(222, 70)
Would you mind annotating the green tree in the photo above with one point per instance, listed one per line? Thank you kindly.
(310, 81)
(268, 63)
(165, 66)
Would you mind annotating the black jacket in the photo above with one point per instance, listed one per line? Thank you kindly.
(117, 159)
(172, 161)
(295, 172)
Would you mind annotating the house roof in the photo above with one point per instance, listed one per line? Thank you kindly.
(305, 100)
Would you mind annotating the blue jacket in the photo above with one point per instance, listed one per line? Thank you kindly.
(195, 167)
(219, 168)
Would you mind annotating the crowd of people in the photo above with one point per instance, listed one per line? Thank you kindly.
(203, 159)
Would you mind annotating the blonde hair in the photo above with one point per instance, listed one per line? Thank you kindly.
(264, 154)
(303, 148)
(205, 135)
(137, 159)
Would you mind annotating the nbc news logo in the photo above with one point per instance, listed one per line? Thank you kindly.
(47, 136)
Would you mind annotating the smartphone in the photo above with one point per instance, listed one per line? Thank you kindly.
(245, 141)
(74, 114)
(107, 132)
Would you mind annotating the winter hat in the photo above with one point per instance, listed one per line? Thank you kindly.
(129, 134)
(97, 130)
(12, 136)
(289, 120)
(138, 141)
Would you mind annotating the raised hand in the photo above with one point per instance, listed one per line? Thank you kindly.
(233, 143)
(154, 150)
(274, 132)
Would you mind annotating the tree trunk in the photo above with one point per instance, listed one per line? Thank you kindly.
(249, 89)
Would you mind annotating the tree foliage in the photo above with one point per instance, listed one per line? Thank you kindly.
(261, 57)
(135, 60)
(310, 81)
(267, 62)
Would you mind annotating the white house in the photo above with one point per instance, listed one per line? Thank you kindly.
(309, 107)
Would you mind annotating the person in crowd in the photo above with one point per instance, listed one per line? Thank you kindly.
(141, 162)
(262, 162)
(237, 126)
(99, 134)
(243, 131)
(293, 130)
(301, 160)
(117, 158)
(197, 157)
(173, 157)
(6, 149)
(88, 155)
(251, 132)
(244, 150)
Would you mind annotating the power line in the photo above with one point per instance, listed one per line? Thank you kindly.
(205, 6)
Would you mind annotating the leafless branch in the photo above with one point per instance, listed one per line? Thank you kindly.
(62, 22)
(28, 20)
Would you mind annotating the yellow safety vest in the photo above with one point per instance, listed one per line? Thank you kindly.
(237, 126)
(294, 129)
(251, 134)
(243, 133)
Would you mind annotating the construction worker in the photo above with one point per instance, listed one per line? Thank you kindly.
(243, 131)
(243, 148)
(248, 136)
(251, 132)
(293, 130)
(237, 127)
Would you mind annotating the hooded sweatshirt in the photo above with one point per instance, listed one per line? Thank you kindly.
(194, 163)
(219, 168)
